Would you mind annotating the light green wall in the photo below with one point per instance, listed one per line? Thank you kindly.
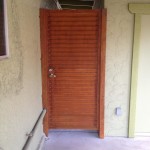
(142, 124)
(20, 76)
(134, 72)
(138, 10)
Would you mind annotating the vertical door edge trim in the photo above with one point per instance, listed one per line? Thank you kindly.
(44, 69)
(102, 71)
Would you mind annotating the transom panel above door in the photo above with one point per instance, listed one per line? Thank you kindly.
(72, 68)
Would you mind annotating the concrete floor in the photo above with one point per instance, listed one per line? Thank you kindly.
(89, 141)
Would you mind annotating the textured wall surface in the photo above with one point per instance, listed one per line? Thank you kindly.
(20, 75)
(118, 64)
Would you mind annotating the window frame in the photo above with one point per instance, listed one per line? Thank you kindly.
(6, 31)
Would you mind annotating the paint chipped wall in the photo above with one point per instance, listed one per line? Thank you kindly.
(118, 65)
(20, 76)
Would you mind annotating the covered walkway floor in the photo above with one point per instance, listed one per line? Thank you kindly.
(66, 140)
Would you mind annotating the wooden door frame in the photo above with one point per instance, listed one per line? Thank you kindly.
(101, 68)
(44, 65)
(101, 60)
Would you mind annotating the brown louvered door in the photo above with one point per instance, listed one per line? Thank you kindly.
(71, 59)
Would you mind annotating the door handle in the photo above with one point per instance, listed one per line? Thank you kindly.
(52, 76)
(51, 73)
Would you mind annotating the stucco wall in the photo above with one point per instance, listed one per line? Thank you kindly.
(118, 64)
(20, 76)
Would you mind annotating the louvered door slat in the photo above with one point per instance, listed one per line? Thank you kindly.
(72, 54)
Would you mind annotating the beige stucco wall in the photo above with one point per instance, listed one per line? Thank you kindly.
(118, 64)
(20, 76)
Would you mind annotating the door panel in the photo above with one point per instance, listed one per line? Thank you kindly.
(66, 111)
(71, 55)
